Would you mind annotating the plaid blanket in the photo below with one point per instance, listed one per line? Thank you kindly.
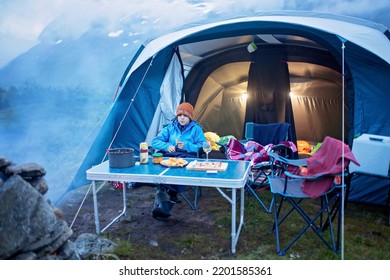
(252, 150)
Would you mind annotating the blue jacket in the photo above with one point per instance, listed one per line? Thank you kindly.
(191, 135)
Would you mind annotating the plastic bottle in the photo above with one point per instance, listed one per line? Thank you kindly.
(143, 153)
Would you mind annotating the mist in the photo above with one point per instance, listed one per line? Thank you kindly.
(61, 65)
(51, 127)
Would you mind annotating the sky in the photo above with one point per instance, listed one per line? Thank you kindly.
(23, 21)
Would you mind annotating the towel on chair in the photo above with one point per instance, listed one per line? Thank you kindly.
(327, 160)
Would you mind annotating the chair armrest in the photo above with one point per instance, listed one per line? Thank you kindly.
(262, 164)
(295, 162)
(295, 176)
(311, 178)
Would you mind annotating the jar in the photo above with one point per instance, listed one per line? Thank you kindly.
(157, 158)
(143, 153)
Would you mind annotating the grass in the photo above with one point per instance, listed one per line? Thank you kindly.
(366, 235)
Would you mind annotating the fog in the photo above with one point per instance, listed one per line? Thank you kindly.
(61, 65)
(51, 127)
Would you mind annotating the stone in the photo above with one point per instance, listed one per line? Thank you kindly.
(26, 256)
(91, 244)
(69, 251)
(30, 227)
(25, 216)
(4, 162)
(58, 238)
(26, 170)
(40, 184)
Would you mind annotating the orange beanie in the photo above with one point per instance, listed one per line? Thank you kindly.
(185, 109)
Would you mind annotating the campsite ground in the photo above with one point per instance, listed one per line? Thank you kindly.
(205, 233)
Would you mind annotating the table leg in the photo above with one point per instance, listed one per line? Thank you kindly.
(242, 207)
(95, 207)
(234, 214)
(236, 231)
(123, 209)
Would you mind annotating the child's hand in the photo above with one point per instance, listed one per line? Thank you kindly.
(171, 149)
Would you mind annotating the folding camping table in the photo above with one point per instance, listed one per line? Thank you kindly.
(234, 178)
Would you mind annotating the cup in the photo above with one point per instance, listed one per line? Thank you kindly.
(180, 145)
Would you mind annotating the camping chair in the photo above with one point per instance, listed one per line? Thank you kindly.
(279, 135)
(191, 191)
(322, 182)
(197, 191)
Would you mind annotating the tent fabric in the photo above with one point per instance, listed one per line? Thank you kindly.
(208, 65)
(363, 33)
(170, 96)
(268, 88)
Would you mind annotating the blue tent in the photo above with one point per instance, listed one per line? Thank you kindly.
(319, 58)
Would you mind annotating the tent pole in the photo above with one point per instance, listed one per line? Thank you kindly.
(343, 152)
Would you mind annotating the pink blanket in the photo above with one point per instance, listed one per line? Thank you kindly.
(252, 150)
(327, 160)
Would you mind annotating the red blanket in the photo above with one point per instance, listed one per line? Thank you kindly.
(327, 160)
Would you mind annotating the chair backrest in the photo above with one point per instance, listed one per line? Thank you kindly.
(265, 134)
(272, 133)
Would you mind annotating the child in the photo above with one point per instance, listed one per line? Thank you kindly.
(181, 138)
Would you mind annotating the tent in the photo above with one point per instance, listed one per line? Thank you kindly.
(291, 67)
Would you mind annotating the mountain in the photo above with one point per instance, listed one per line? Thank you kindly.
(54, 97)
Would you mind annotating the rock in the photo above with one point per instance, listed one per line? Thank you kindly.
(58, 237)
(26, 170)
(40, 184)
(26, 256)
(91, 244)
(4, 163)
(58, 212)
(26, 216)
(69, 251)
(30, 227)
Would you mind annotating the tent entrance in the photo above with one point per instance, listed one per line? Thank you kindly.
(305, 94)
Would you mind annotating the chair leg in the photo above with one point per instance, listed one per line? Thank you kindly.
(252, 192)
(254, 186)
(197, 193)
(276, 225)
(337, 202)
(310, 223)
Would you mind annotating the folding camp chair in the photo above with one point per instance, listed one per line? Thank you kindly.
(279, 135)
(321, 183)
(193, 191)
(197, 191)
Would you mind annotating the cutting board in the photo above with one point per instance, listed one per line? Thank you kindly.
(210, 165)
